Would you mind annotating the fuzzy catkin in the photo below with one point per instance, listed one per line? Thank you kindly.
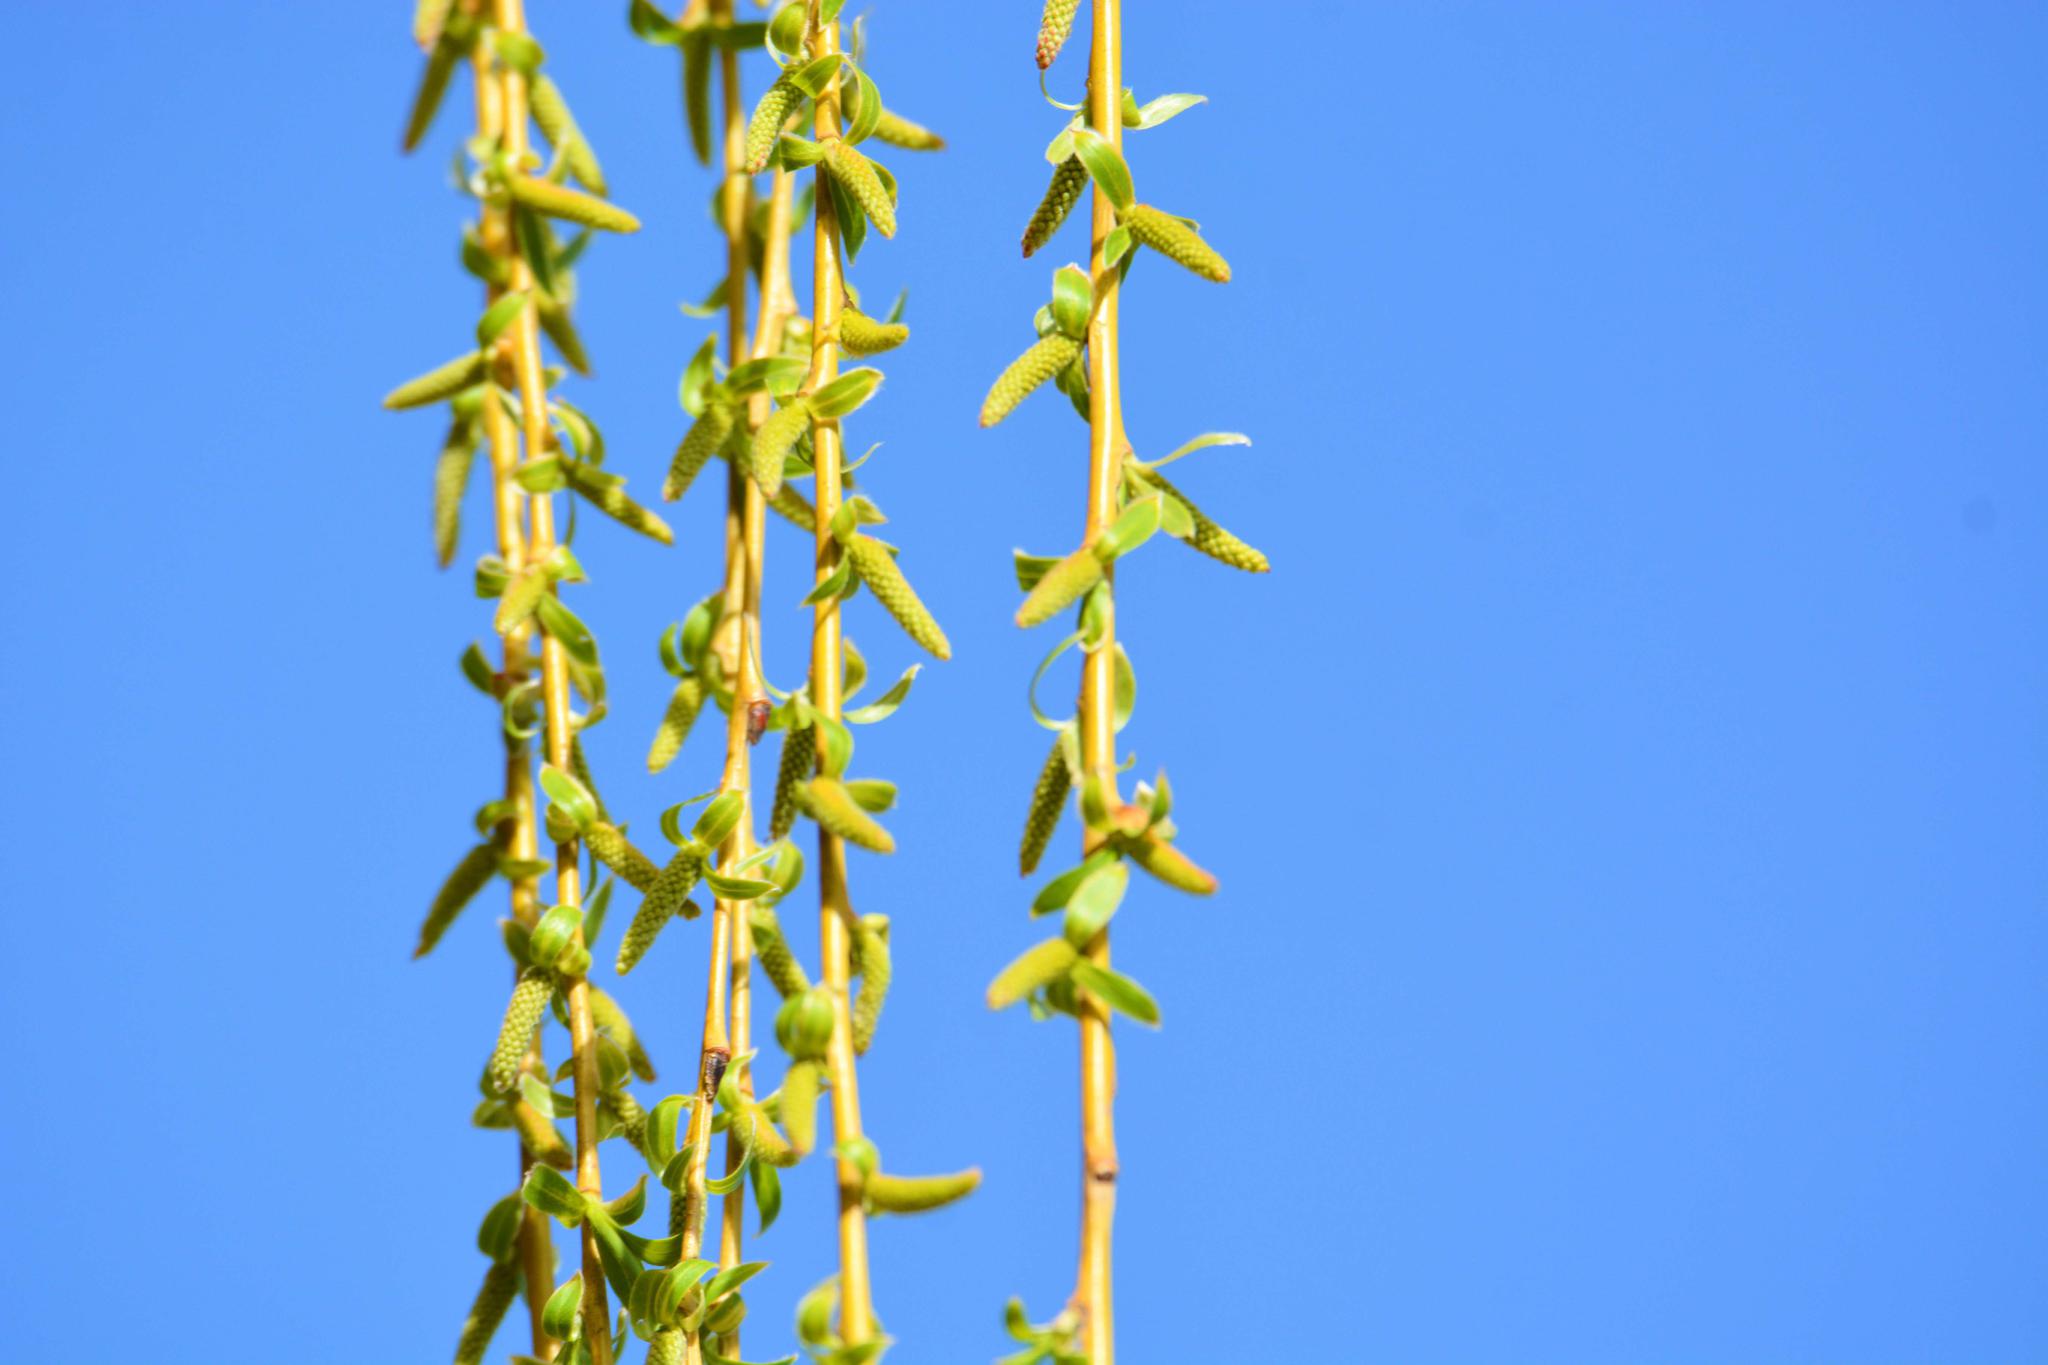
(856, 175)
(554, 320)
(683, 707)
(772, 443)
(441, 382)
(799, 758)
(1175, 240)
(877, 568)
(606, 1014)
(540, 1136)
(559, 201)
(800, 1105)
(899, 131)
(522, 1016)
(1211, 539)
(1069, 178)
(451, 478)
(1047, 357)
(640, 935)
(750, 1125)
(793, 507)
(1053, 27)
(520, 599)
(470, 876)
(611, 499)
(826, 800)
(1048, 801)
(698, 445)
(873, 952)
(667, 1347)
(860, 334)
(632, 1118)
(918, 1193)
(776, 104)
(1061, 585)
(771, 950)
(500, 1287)
(609, 844)
(1168, 864)
(551, 112)
(1039, 965)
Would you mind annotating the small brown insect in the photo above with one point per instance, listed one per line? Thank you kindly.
(757, 720)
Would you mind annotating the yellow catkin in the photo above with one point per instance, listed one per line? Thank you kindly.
(647, 924)
(899, 131)
(668, 1347)
(1053, 27)
(771, 950)
(799, 758)
(855, 174)
(610, 498)
(827, 801)
(441, 382)
(551, 112)
(1039, 965)
(918, 1193)
(775, 106)
(606, 1014)
(800, 1105)
(500, 1287)
(697, 447)
(860, 334)
(772, 443)
(522, 1016)
(1062, 585)
(470, 876)
(750, 1124)
(1175, 240)
(520, 599)
(1047, 357)
(543, 1141)
(666, 897)
(1048, 802)
(1211, 539)
(451, 478)
(1168, 864)
(877, 568)
(632, 1118)
(559, 201)
(874, 987)
(610, 846)
(683, 707)
(1069, 178)
(794, 508)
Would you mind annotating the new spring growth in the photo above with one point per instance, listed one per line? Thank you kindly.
(1062, 327)
(1053, 27)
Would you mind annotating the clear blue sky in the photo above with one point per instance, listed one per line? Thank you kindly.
(1629, 788)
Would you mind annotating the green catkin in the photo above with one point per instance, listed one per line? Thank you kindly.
(1048, 802)
(500, 1287)
(771, 950)
(554, 320)
(683, 707)
(1069, 178)
(873, 955)
(918, 1193)
(1053, 27)
(551, 112)
(441, 382)
(442, 59)
(1060, 586)
(521, 599)
(799, 759)
(543, 1141)
(877, 568)
(559, 201)
(860, 334)
(632, 1118)
(666, 897)
(451, 478)
(522, 1016)
(470, 876)
(856, 175)
(640, 934)
(1047, 357)
(1168, 863)
(606, 1014)
(1211, 539)
(1039, 965)
(610, 498)
(898, 131)
(1175, 240)
(800, 1086)
(794, 508)
(749, 1123)
(826, 800)
(697, 447)
(773, 442)
(667, 1347)
(778, 101)
(609, 844)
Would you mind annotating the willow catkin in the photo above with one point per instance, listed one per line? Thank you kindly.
(610, 846)
(520, 599)
(1168, 863)
(1053, 27)
(899, 131)
(451, 478)
(1047, 357)
(873, 954)
(543, 1141)
(610, 498)
(1175, 240)
(777, 102)
(606, 1014)
(1069, 178)
(697, 447)
(1048, 802)
(551, 112)
(826, 800)
(856, 175)
(860, 334)
(793, 507)
(772, 443)
(799, 758)
(667, 1348)
(640, 935)
(559, 201)
(470, 876)
(1060, 586)
(500, 1287)
(555, 321)
(632, 1118)
(666, 897)
(1211, 539)
(918, 1193)
(441, 382)
(1039, 965)
(522, 1016)
(683, 706)
(771, 950)
(748, 1122)
(800, 1086)
(877, 568)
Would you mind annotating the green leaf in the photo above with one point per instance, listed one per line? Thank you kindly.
(884, 706)
(548, 1190)
(718, 819)
(560, 1317)
(698, 376)
(1105, 166)
(1206, 439)
(574, 799)
(730, 1181)
(846, 393)
(767, 1194)
(564, 625)
(660, 1139)
(1154, 112)
(651, 25)
(1030, 568)
(872, 794)
(1055, 894)
(1117, 991)
(776, 374)
(1071, 300)
(518, 51)
(1036, 967)
(1132, 528)
(1094, 901)
(863, 104)
(736, 888)
(498, 1237)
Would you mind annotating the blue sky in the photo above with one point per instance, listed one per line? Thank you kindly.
(1628, 788)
